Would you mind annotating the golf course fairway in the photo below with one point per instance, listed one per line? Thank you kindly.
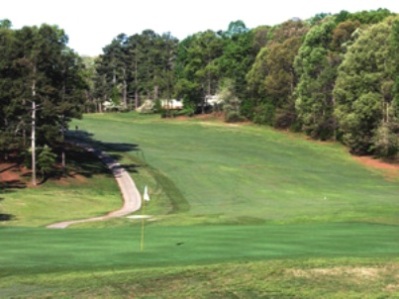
(236, 211)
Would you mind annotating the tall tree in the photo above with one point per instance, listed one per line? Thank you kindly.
(272, 78)
(41, 87)
(198, 68)
(364, 92)
(316, 67)
(136, 67)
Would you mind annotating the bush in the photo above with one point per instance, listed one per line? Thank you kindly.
(264, 114)
(385, 142)
(232, 117)
(46, 160)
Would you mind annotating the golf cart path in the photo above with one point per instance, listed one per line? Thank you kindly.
(131, 196)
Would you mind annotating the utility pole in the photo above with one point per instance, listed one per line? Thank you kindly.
(33, 136)
(33, 146)
(63, 162)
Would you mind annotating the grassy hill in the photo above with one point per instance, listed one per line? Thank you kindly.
(250, 172)
(239, 212)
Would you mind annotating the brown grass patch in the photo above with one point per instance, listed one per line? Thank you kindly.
(357, 273)
(390, 170)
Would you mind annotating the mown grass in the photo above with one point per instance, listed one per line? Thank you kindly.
(256, 259)
(239, 212)
(248, 173)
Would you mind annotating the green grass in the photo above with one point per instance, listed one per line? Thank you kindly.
(56, 260)
(89, 190)
(239, 212)
(248, 173)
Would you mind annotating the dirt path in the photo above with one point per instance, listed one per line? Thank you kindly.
(131, 196)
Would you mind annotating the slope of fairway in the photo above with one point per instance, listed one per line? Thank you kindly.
(251, 173)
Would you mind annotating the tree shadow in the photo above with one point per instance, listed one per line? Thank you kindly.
(83, 152)
(11, 166)
(12, 184)
(4, 216)
(7, 184)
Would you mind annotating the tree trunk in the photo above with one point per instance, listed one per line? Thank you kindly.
(136, 99)
(63, 162)
(136, 92)
(156, 91)
(124, 91)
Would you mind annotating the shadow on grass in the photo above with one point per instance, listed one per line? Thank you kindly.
(8, 184)
(5, 217)
(178, 201)
(86, 162)
(12, 184)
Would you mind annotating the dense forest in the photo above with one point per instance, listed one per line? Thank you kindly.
(333, 77)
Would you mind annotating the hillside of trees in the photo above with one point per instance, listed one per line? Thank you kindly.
(333, 77)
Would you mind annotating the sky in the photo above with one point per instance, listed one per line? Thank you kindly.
(92, 24)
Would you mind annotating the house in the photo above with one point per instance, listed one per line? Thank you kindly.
(172, 104)
(110, 106)
(213, 100)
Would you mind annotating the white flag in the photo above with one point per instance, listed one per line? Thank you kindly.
(146, 197)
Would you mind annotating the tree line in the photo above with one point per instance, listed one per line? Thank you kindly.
(333, 77)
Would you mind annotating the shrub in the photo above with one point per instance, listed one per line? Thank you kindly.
(264, 114)
(232, 117)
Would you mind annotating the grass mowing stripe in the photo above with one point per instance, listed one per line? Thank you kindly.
(253, 172)
(93, 249)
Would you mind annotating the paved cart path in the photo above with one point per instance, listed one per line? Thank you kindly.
(131, 196)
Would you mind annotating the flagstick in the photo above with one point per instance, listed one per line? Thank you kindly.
(146, 197)
(142, 228)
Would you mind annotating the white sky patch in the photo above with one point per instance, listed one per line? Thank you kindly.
(92, 24)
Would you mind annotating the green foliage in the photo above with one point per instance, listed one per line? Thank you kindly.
(316, 64)
(318, 18)
(272, 78)
(46, 160)
(36, 65)
(136, 67)
(257, 73)
(5, 24)
(198, 69)
(364, 93)
(371, 17)
(231, 103)
(236, 28)
(385, 142)
(264, 114)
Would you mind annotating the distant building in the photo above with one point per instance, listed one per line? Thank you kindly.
(110, 106)
(213, 100)
(172, 104)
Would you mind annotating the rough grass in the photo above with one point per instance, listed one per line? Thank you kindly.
(87, 191)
